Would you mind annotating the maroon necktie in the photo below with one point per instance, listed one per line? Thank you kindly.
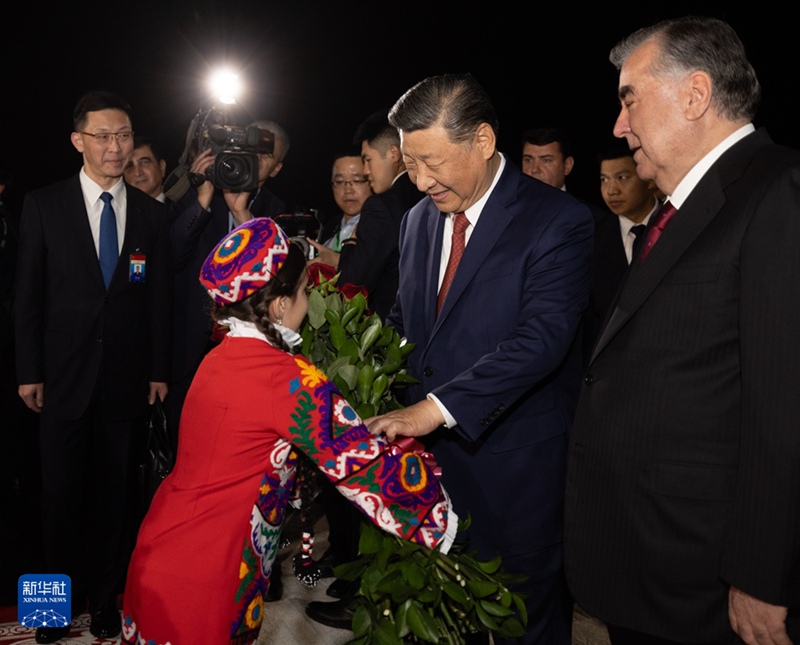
(460, 224)
(663, 216)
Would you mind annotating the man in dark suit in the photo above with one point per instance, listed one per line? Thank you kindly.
(203, 216)
(371, 259)
(683, 517)
(93, 347)
(495, 334)
(631, 202)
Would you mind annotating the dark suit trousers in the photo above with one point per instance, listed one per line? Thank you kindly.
(85, 507)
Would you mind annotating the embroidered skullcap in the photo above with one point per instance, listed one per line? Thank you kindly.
(244, 261)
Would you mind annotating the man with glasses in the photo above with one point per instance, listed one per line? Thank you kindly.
(350, 191)
(93, 347)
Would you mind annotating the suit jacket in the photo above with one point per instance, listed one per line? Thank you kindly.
(70, 330)
(372, 261)
(501, 356)
(683, 472)
(609, 262)
(195, 231)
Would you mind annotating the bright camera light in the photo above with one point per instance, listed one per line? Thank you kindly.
(225, 86)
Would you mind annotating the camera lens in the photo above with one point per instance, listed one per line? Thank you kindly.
(236, 171)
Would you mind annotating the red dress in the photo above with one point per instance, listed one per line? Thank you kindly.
(204, 553)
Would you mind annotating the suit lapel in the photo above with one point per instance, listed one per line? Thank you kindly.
(493, 221)
(435, 233)
(77, 225)
(133, 219)
(702, 205)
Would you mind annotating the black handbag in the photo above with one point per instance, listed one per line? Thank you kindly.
(158, 458)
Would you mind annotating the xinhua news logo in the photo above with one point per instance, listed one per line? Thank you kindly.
(44, 600)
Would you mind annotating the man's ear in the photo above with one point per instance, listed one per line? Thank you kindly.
(569, 162)
(698, 92)
(486, 140)
(77, 141)
(276, 169)
(393, 153)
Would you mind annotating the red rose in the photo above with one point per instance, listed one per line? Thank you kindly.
(350, 290)
(319, 273)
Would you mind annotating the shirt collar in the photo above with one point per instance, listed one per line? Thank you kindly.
(92, 190)
(693, 177)
(474, 211)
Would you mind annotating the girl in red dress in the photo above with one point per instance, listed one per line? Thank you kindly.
(201, 567)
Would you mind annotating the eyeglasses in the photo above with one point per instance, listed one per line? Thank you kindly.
(104, 138)
(338, 184)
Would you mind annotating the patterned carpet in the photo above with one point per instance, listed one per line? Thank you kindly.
(12, 633)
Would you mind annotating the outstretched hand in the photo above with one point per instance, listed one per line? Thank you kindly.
(414, 421)
(757, 622)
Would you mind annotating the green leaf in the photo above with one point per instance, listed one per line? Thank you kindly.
(361, 621)
(338, 334)
(519, 602)
(402, 628)
(494, 608)
(406, 349)
(316, 309)
(402, 377)
(379, 386)
(511, 628)
(371, 334)
(334, 304)
(485, 618)
(370, 539)
(351, 570)
(491, 566)
(366, 376)
(350, 374)
(340, 383)
(456, 592)
(386, 337)
(422, 624)
(413, 573)
(482, 588)
(350, 349)
(385, 633)
(365, 411)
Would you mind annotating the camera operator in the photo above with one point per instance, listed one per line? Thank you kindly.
(203, 216)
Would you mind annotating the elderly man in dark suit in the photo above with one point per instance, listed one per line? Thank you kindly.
(495, 272)
(93, 347)
(683, 491)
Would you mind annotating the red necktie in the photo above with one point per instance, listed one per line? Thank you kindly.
(460, 224)
(663, 216)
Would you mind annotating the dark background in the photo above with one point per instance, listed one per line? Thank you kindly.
(320, 68)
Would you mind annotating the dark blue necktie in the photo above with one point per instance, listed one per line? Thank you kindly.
(109, 247)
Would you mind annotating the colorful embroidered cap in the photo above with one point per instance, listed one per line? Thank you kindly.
(244, 261)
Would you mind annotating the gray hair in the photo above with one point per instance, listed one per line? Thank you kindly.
(279, 133)
(698, 43)
(456, 102)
